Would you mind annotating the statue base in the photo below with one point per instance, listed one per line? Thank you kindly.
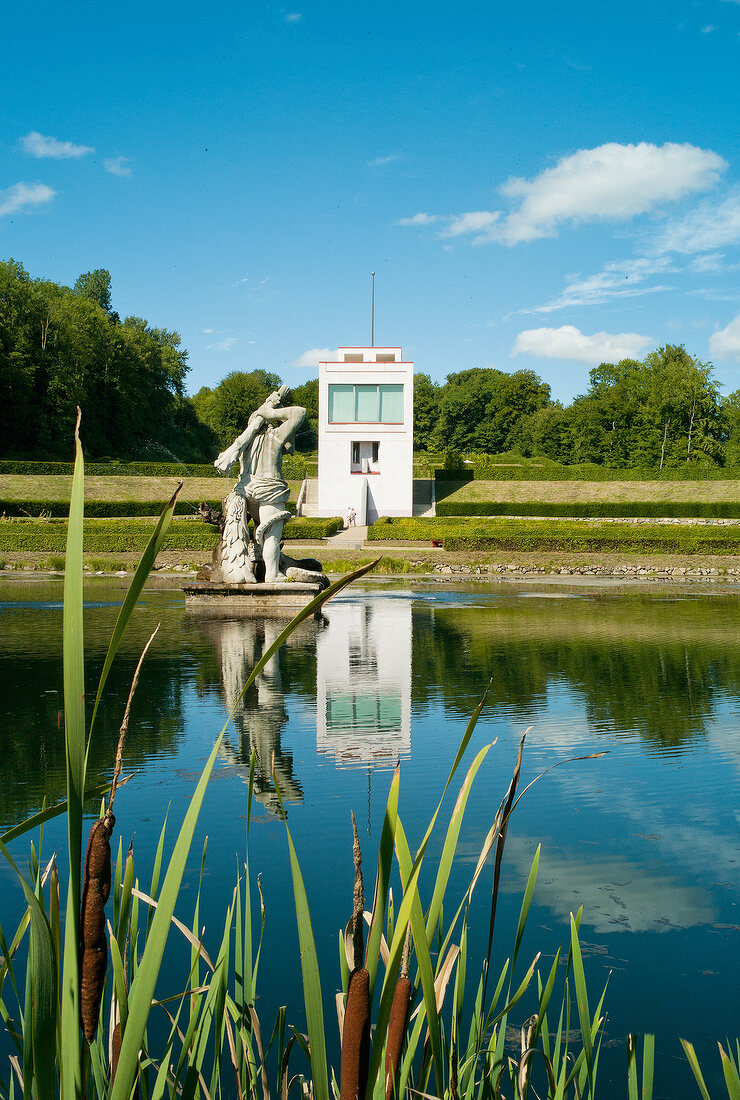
(282, 599)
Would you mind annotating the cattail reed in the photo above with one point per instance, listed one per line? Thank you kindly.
(96, 889)
(356, 1030)
(94, 943)
(398, 1020)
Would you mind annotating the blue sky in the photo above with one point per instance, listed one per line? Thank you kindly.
(541, 185)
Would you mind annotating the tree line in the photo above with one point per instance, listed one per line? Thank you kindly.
(61, 347)
(661, 412)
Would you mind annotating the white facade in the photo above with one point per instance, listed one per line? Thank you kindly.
(363, 682)
(366, 434)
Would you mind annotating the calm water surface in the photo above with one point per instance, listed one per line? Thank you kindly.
(647, 838)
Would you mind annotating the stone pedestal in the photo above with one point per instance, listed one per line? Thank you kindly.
(279, 600)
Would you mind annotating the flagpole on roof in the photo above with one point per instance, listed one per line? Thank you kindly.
(372, 312)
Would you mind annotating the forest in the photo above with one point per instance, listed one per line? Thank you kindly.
(61, 347)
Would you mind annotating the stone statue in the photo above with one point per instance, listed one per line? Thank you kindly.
(261, 493)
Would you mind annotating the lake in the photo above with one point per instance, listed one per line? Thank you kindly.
(646, 838)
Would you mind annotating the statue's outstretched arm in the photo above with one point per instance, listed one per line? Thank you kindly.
(232, 453)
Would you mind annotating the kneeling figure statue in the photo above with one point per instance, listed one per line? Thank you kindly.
(260, 493)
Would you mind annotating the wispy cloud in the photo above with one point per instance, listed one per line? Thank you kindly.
(478, 222)
(38, 145)
(118, 166)
(709, 226)
(420, 219)
(293, 17)
(222, 345)
(568, 342)
(725, 343)
(610, 182)
(314, 356)
(708, 29)
(24, 196)
(380, 162)
(617, 279)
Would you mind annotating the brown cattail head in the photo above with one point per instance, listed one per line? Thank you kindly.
(358, 903)
(115, 1050)
(396, 1032)
(356, 1037)
(93, 942)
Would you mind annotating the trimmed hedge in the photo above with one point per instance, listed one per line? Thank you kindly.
(658, 509)
(516, 536)
(122, 535)
(98, 509)
(105, 509)
(294, 468)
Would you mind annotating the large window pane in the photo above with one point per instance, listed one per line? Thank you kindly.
(366, 404)
(341, 404)
(391, 404)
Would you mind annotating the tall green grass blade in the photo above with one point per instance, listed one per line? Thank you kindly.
(144, 983)
(732, 1080)
(526, 903)
(582, 1001)
(423, 958)
(74, 739)
(40, 1021)
(382, 882)
(648, 1064)
(311, 979)
(450, 843)
(695, 1069)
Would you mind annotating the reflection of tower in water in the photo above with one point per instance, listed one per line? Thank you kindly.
(261, 715)
(363, 682)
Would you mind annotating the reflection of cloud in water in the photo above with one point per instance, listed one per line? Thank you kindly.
(688, 832)
(616, 895)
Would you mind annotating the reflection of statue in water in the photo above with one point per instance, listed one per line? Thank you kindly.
(261, 716)
(261, 491)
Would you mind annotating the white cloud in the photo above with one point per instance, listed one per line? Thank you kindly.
(709, 226)
(21, 196)
(421, 219)
(612, 181)
(568, 342)
(117, 166)
(293, 17)
(207, 331)
(313, 356)
(379, 162)
(617, 279)
(725, 343)
(40, 146)
(708, 29)
(480, 222)
(222, 345)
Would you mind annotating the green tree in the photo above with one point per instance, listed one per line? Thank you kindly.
(426, 411)
(227, 408)
(96, 286)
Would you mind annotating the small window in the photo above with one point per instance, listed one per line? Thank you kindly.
(355, 454)
(375, 451)
(385, 357)
(353, 356)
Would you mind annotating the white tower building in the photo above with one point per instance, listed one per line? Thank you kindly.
(366, 434)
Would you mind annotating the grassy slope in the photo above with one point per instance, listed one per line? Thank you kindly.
(589, 490)
(57, 487)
